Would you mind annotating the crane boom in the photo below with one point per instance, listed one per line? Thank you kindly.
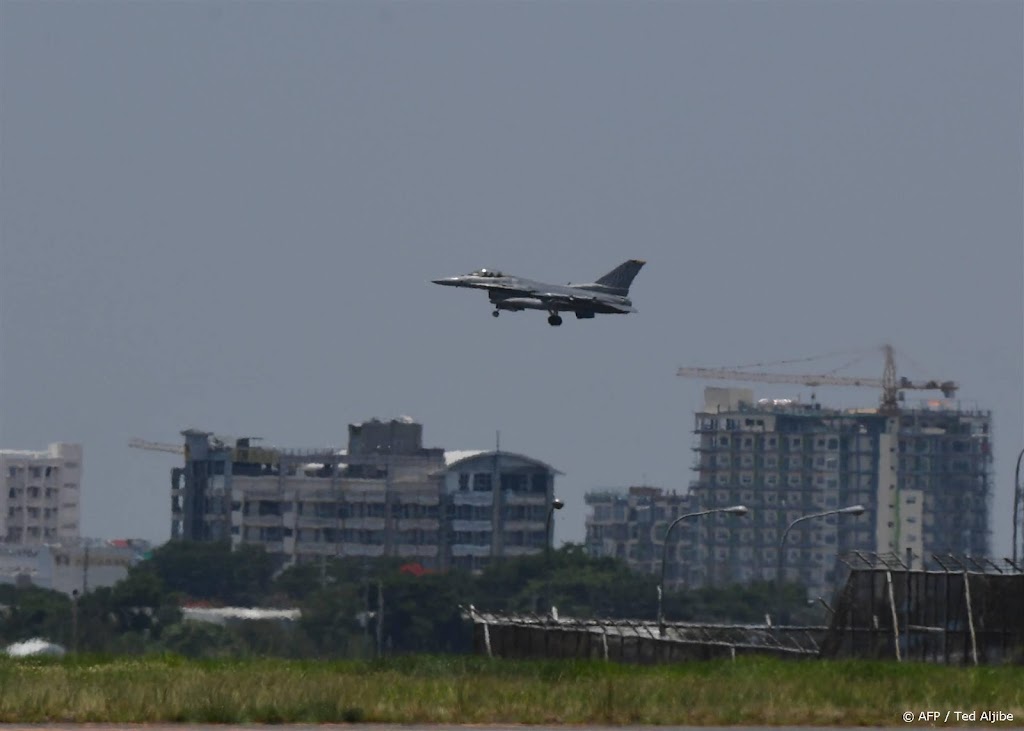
(888, 383)
(156, 446)
(730, 374)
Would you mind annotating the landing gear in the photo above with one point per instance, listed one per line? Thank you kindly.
(495, 313)
(554, 321)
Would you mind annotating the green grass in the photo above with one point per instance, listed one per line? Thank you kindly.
(478, 690)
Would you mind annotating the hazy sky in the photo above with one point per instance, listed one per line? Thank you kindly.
(225, 215)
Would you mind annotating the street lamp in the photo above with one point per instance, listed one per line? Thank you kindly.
(851, 510)
(556, 504)
(734, 509)
(1016, 505)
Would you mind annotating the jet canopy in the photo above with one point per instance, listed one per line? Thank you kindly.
(486, 273)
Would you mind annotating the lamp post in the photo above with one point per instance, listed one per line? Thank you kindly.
(1016, 505)
(734, 509)
(556, 504)
(851, 510)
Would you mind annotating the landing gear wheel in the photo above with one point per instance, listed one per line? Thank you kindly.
(554, 321)
(495, 313)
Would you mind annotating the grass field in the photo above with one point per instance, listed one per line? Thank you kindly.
(478, 690)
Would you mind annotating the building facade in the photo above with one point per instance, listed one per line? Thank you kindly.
(385, 495)
(70, 567)
(923, 476)
(631, 526)
(41, 501)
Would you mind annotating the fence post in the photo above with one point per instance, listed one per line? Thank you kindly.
(906, 601)
(895, 621)
(970, 618)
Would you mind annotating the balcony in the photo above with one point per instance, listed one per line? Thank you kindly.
(309, 521)
(362, 549)
(314, 548)
(418, 524)
(364, 523)
(521, 499)
(262, 521)
(412, 550)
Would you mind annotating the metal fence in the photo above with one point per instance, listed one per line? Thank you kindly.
(631, 641)
(967, 611)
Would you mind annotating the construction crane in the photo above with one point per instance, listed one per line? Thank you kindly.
(891, 385)
(156, 446)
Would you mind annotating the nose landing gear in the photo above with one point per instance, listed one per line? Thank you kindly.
(554, 320)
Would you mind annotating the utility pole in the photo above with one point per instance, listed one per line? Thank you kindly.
(380, 619)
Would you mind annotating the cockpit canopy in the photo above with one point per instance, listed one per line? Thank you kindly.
(486, 273)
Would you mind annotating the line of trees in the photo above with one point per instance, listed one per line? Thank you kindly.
(353, 607)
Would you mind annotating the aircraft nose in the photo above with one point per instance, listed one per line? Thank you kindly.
(444, 280)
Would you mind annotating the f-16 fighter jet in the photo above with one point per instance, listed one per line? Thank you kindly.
(608, 295)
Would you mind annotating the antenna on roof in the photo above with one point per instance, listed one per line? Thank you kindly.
(497, 440)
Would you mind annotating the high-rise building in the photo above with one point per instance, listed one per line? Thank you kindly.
(41, 502)
(385, 495)
(922, 475)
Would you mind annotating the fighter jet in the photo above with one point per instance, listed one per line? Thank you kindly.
(609, 294)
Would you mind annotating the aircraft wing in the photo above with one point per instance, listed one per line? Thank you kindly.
(582, 302)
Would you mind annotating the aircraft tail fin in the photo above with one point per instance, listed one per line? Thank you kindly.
(617, 281)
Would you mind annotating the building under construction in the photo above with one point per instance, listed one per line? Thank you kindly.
(921, 475)
(915, 479)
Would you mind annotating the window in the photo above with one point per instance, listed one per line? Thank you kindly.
(513, 482)
(482, 482)
(464, 482)
(539, 482)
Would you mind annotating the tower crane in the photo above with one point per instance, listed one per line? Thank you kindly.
(891, 385)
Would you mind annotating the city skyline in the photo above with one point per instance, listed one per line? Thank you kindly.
(228, 217)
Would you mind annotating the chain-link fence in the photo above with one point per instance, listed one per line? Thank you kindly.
(967, 611)
(632, 641)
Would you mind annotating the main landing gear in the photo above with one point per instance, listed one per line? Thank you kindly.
(495, 313)
(554, 320)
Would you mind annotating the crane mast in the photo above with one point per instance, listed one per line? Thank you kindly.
(890, 385)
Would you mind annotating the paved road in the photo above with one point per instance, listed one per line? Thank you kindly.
(454, 727)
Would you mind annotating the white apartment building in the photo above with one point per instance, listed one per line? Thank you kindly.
(41, 501)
